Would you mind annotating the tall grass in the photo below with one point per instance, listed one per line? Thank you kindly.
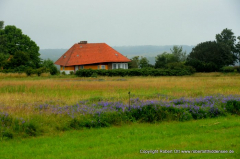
(20, 98)
(70, 90)
(12, 75)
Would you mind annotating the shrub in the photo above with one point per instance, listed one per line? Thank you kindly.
(10, 126)
(233, 106)
(41, 70)
(94, 75)
(30, 129)
(53, 70)
(186, 116)
(227, 69)
(71, 73)
(63, 73)
(30, 71)
(145, 114)
(187, 70)
(237, 68)
(7, 134)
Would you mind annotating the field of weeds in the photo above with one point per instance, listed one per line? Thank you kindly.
(33, 106)
(44, 106)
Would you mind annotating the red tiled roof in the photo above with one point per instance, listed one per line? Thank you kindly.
(90, 53)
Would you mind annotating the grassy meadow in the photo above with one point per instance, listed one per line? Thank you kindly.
(128, 140)
(64, 90)
(41, 107)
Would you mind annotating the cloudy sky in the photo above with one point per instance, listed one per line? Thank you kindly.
(61, 23)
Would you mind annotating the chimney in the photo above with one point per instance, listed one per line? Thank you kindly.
(82, 42)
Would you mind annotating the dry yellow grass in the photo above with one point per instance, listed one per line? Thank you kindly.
(68, 91)
(14, 75)
(19, 95)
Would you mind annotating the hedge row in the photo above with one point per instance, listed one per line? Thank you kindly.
(30, 71)
(135, 72)
(227, 69)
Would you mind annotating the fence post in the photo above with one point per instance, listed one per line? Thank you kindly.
(129, 100)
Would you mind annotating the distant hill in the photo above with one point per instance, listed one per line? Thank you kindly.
(149, 51)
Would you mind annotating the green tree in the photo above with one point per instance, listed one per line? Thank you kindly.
(178, 53)
(12, 41)
(227, 39)
(237, 48)
(135, 62)
(212, 55)
(20, 58)
(50, 66)
(3, 60)
(144, 62)
(163, 59)
(1, 25)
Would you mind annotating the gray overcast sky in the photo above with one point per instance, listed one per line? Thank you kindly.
(61, 23)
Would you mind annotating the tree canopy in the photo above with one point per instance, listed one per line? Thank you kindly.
(48, 64)
(237, 48)
(163, 59)
(212, 55)
(178, 53)
(13, 43)
(134, 63)
(1, 24)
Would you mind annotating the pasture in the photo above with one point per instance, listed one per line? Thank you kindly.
(128, 140)
(53, 108)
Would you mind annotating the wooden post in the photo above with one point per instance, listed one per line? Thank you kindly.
(129, 100)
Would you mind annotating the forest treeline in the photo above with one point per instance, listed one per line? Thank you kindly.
(210, 56)
(18, 53)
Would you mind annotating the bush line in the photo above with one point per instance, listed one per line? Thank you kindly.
(135, 72)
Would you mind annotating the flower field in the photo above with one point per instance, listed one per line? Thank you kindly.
(36, 106)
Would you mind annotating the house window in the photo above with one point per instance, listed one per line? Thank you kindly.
(63, 68)
(114, 66)
(81, 67)
(119, 65)
(102, 66)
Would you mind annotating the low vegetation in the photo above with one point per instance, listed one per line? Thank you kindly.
(42, 105)
(128, 140)
(175, 71)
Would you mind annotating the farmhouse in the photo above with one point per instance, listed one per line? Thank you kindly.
(85, 55)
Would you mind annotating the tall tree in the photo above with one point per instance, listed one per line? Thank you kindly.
(163, 59)
(227, 39)
(135, 62)
(20, 58)
(178, 53)
(1, 25)
(13, 41)
(143, 62)
(237, 48)
(3, 60)
(212, 55)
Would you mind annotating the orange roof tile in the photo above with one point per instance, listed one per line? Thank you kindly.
(90, 53)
